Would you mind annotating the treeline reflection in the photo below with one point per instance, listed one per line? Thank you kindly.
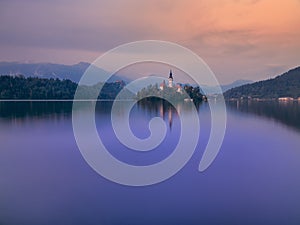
(287, 113)
(34, 109)
(63, 109)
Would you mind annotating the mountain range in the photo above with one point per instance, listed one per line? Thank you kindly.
(51, 70)
(211, 90)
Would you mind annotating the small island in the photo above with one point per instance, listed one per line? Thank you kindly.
(169, 90)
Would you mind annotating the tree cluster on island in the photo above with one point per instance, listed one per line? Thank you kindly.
(188, 91)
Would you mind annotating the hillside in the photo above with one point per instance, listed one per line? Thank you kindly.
(285, 85)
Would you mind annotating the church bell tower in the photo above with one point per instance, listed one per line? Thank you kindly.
(170, 79)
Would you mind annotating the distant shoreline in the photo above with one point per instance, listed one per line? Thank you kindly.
(265, 99)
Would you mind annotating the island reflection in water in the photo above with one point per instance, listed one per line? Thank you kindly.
(162, 108)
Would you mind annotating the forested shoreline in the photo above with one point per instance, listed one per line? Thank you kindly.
(33, 88)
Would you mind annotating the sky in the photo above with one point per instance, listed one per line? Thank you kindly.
(238, 39)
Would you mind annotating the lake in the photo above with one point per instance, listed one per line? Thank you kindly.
(254, 179)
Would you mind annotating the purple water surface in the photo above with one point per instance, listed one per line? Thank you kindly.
(44, 179)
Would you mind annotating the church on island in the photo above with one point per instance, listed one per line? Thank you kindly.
(163, 85)
(167, 89)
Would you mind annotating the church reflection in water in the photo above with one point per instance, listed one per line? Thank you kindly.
(164, 109)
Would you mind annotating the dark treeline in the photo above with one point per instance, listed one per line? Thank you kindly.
(19, 87)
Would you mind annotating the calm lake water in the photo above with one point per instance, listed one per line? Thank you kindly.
(254, 179)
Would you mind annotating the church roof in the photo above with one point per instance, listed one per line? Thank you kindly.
(171, 75)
